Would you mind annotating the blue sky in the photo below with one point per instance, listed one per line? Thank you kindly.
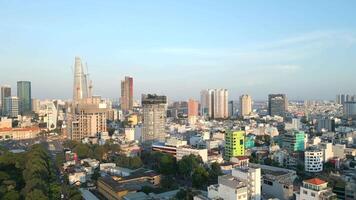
(306, 49)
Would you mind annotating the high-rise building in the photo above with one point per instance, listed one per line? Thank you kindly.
(48, 114)
(293, 140)
(24, 95)
(11, 106)
(127, 94)
(245, 105)
(232, 109)
(234, 144)
(154, 118)
(5, 92)
(193, 108)
(214, 103)
(80, 86)
(88, 118)
(313, 159)
(36, 105)
(277, 105)
(350, 109)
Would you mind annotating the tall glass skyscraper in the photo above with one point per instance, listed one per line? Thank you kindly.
(24, 95)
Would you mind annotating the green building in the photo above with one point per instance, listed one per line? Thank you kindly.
(293, 140)
(24, 95)
(234, 144)
(250, 141)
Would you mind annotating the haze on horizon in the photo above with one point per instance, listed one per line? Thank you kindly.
(305, 49)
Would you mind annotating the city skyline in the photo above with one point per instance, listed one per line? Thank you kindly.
(224, 46)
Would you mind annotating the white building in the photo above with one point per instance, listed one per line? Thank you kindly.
(314, 189)
(245, 105)
(77, 178)
(252, 177)
(228, 188)
(49, 114)
(327, 151)
(313, 160)
(129, 134)
(186, 151)
(214, 103)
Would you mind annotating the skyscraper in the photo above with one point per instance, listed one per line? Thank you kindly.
(154, 118)
(277, 105)
(24, 95)
(80, 87)
(127, 94)
(245, 105)
(88, 118)
(11, 106)
(5, 92)
(193, 108)
(214, 103)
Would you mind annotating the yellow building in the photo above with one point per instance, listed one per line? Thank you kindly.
(234, 144)
(133, 119)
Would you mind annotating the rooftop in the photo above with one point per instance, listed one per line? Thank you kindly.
(315, 181)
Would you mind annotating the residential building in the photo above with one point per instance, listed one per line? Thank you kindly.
(315, 189)
(313, 159)
(193, 108)
(277, 105)
(228, 188)
(214, 103)
(251, 176)
(127, 94)
(245, 105)
(154, 118)
(293, 140)
(350, 109)
(234, 144)
(24, 96)
(88, 118)
(19, 133)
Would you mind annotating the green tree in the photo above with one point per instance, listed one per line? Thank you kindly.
(188, 163)
(200, 178)
(36, 195)
(11, 195)
(167, 164)
(82, 150)
(214, 173)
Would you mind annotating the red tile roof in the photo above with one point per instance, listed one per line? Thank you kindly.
(315, 181)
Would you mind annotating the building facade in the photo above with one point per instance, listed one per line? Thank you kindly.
(154, 118)
(245, 105)
(88, 118)
(350, 109)
(315, 189)
(11, 107)
(234, 144)
(127, 94)
(277, 105)
(251, 176)
(313, 160)
(293, 140)
(5, 92)
(24, 95)
(214, 103)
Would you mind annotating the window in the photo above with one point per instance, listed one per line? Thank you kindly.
(313, 194)
(305, 192)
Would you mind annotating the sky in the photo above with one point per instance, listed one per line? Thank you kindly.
(306, 49)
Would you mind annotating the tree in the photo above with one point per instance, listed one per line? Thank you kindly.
(188, 163)
(36, 195)
(214, 173)
(167, 165)
(135, 162)
(11, 195)
(82, 150)
(200, 178)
